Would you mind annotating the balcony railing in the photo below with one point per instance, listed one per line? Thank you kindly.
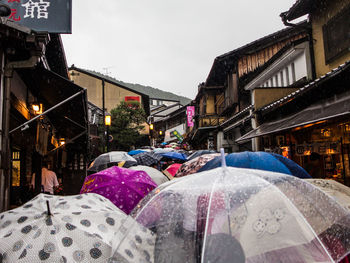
(224, 105)
(208, 121)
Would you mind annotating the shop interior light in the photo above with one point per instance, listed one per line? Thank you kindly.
(151, 126)
(62, 141)
(160, 132)
(37, 108)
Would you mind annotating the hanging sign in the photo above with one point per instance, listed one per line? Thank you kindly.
(177, 135)
(52, 16)
(190, 114)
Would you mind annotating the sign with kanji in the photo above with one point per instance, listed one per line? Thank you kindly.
(190, 110)
(52, 16)
(318, 147)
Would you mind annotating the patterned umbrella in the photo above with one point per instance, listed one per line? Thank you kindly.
(338, 191)
(157, 176)
(199, 153)
(124, 187)
(109, 159)
(147, 158)
(58, 229)
(193, 165)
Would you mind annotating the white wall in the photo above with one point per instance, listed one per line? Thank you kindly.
(180, 128)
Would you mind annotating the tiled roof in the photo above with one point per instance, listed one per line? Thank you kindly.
(307, 87)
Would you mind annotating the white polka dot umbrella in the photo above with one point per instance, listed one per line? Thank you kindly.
(79, 228)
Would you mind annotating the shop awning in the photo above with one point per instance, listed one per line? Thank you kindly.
(69, 118)
(336, 106)
(203, 132)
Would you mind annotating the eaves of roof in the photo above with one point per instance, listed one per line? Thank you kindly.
(237, 115)
(308, 87)
(226, 60)
(265, 41)
(145, 97)
(167, 108)
(251, 75)
(299, 9)
(105, 78)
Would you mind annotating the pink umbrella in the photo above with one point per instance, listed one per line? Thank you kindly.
(123, 187)
(172, 169)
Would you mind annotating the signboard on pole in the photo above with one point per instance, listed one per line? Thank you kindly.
(178, 135)
(52, 16)
(190, 113)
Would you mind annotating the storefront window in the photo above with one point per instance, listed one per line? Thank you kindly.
(16, 168)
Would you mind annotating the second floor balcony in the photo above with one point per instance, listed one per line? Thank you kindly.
(208, 121)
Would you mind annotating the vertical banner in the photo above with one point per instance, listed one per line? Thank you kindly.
(52, 16)
(190, 115)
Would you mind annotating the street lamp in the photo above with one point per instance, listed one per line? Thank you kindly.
(108, 120)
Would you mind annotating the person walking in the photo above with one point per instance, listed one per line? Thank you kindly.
(314, 166)
(48, 180)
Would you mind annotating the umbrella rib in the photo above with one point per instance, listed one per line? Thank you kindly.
(139, 213)
(208, 211)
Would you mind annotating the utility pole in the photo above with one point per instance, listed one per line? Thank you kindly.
(104, 115)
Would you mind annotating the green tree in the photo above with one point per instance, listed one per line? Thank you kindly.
(127, 123)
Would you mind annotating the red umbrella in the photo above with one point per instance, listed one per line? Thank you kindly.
(172, 169)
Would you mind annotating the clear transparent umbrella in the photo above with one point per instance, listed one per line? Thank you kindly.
(243, 215)
(338, 191)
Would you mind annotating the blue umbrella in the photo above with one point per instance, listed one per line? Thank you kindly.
(164, 143)
(134, 152)
(259, 160)
(175, 155)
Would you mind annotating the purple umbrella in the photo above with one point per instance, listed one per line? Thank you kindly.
(123, 187)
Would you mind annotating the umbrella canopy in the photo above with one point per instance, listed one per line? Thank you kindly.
(109, 159)
(244, 215)
(199, 153)
(163, 150)
(171, 170)
(175, 155)
(134, 152)
(157, 176)
(48, 228)
(124, 187)
(338, 191)
(147, 158)
(193, 165)
(259, 160)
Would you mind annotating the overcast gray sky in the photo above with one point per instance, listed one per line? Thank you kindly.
(169, 45)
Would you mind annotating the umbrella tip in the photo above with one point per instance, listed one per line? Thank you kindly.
(223, 160)
(48, 208)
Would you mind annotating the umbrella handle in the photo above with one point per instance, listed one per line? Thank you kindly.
(48, 208)
(223, 160)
